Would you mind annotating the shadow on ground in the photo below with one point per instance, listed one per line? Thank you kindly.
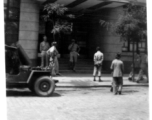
(16, 93)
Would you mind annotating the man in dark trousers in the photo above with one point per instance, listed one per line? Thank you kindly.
(74, 53)
(118, 67)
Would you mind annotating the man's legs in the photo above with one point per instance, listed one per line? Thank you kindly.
(99, 72)
(71, 61)
(140, 75)
(56, 65)
(120, 84)
(46, 60)
(131, 74)
(42, 58)
(115, 85)
(94, 73)
(74, 60)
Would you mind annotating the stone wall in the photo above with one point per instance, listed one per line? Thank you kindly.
(29, 28)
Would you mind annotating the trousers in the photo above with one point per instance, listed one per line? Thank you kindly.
(73, 56)
(97, 70)
(44, 59)
(117, 84)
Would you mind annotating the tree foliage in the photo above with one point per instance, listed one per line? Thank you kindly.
(57, 15)
(132, 25)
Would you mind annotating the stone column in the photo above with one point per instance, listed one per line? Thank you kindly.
(29, 28)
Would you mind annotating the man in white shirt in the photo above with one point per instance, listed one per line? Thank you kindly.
(53, 54)
(98, 59)
(118, 67)
(74, 53)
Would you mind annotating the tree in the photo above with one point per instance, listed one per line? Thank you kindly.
(132, 25)
(57, 15)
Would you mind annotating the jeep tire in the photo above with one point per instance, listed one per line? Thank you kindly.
(44, 86)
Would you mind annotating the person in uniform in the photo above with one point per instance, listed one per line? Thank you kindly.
(53, 55)
(137, 62)
(98, 59)
(44, 46)
(74, 53)
(118, 68)
(143, 67)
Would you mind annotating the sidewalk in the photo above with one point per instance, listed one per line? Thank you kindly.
(86, 80)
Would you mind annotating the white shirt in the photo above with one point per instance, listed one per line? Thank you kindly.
(52, 52)
(117, 66)
(98, 57)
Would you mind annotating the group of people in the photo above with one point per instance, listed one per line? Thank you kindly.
(140, 67)
(50, 55)
(117, 66)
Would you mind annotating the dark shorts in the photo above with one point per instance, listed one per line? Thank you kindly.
(118, 80)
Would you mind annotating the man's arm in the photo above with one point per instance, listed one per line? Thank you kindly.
(122, 67)
(78, 49)
(102, 58)
(111, 67)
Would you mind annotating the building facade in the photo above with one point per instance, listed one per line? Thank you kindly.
(23, 25)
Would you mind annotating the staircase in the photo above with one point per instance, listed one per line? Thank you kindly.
(83, 66)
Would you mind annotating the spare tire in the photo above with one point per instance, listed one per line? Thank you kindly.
(44, 86)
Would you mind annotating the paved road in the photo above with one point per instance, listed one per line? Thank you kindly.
(79, 104)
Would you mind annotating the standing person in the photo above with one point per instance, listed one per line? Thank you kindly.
(74, 53)
(118, 67)
(98, 59)
(143, 67)
(44, 46)
(53, 54)
(137, 62)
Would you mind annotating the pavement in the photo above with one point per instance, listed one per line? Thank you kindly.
(95, 102)
(86, 80)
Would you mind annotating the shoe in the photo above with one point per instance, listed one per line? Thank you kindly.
(111, 89)
(100, 80)
(119, 92)
(94, 80)
(116, 93)
(129, 78)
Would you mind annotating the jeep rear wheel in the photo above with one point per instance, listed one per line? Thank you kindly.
(44, 86)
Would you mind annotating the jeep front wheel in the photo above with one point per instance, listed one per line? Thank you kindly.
(44, 86)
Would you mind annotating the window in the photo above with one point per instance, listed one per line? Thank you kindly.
(11, 18)
(140, 45)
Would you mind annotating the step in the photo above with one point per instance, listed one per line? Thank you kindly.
(77, 68)
(81, 71)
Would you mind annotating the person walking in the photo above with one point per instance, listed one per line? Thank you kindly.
(44, 46)
(53, 54)
(118, 68)
(143, 67)
(98, 59)
(135, 69)
(74, 53)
